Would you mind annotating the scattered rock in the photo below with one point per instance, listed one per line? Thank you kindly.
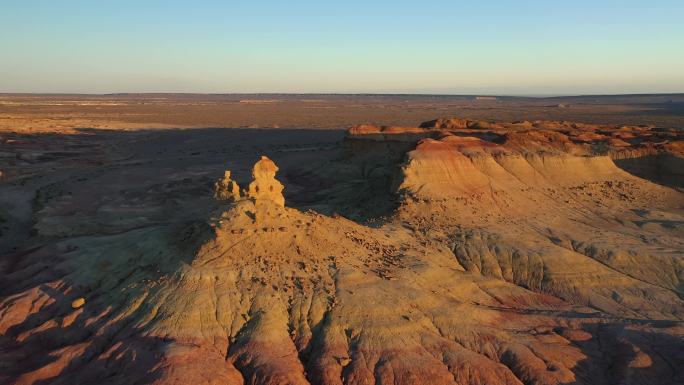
(78, 303)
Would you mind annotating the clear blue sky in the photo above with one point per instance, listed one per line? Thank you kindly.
(501, 47)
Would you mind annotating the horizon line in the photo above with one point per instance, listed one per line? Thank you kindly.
(532, 95)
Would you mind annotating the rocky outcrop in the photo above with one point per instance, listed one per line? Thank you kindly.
(264, 186)
(534, 181)
(447, 123)
(227, 189)
(390, 133)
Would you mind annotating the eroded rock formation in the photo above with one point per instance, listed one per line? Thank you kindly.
(264, 186)
(227, 189)
(516, 255)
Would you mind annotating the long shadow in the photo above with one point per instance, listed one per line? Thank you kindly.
(99, 343)
(672, 107)
(666, 170)
(321, 170)
(360, 184)
(44, 167)
(95, 344)
(620, 354)
(103, 341)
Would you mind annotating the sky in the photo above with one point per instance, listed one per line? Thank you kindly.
(524, 47)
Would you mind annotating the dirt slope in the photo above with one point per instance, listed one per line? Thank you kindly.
(511, 254)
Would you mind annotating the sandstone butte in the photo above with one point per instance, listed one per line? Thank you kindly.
(514, 253)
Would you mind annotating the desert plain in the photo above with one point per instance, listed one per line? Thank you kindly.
(341, 239)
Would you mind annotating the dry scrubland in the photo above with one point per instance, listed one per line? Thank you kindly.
(526, 241)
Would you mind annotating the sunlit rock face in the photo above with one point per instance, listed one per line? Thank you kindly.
(264, 186)
(515, 254)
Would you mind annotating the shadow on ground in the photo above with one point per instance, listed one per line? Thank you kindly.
(617, 354)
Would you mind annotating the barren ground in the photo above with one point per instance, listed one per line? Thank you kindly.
(532, 241)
